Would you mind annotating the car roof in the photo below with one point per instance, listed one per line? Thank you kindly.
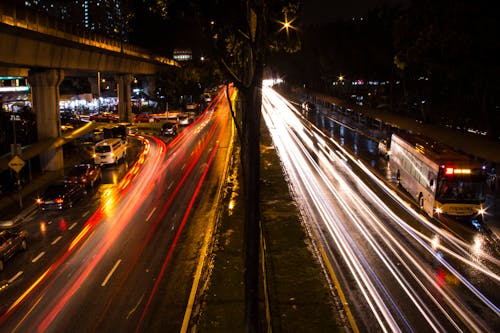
(106, 142)
(4, 232)
(57, 186)
(77, 169)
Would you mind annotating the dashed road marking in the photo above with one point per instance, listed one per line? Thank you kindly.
(56, 240)
(111, 273)
(150, 214)
(41, 254)
(14, 278)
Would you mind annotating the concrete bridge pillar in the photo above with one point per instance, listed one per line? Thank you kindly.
(45, 102)
(124, 93)
(150, 86)
(94, 86)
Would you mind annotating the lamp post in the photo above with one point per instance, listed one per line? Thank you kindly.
(15, 152)
(341, 84)
(98, 91)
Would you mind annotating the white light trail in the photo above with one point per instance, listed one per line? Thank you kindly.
(380, 249)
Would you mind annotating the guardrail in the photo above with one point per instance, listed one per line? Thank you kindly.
(22, 17)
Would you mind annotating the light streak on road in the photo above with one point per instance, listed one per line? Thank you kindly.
(396, 265)
(155, 180)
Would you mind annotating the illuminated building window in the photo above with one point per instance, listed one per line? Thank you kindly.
(182, 54)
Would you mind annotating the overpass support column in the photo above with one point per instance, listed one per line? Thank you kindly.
(124, 97)
(94, 87)
(45, 99)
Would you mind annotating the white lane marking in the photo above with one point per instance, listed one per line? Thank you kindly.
(41, 254)
(12, 279)
(72, 226)
(111, 273)
(135, 307)
(149, 216)
(56, 240)
(86, 213)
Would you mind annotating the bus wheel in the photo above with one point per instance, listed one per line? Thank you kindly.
(421, 200)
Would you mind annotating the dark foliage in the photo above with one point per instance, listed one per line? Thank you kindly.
(439, 58)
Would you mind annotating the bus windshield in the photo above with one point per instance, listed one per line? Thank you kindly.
(460, 190)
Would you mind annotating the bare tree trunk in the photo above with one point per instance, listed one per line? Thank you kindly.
(252, 102)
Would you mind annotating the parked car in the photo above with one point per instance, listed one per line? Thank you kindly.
(185, 120)
(85, 174)
(130, 130)
(191, 107)
(169, 129)
(119, 131)
(61, 195)
(206, 97)
(67, 127)
(11, 242)
(308, 106)
(144, 118)
(105, 117)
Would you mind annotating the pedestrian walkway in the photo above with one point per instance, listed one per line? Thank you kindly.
(16, 205)
(473, 144)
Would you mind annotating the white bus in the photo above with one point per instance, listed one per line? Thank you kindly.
(443, 181)
(110, 151)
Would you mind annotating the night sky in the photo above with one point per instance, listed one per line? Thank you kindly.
(323, 11)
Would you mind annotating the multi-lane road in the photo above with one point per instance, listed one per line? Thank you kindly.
(128, 257)
(394, 269)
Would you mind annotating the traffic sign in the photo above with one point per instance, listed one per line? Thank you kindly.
(16, 163)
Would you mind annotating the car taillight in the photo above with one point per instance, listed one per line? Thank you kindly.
(59, 200)
(39, 201)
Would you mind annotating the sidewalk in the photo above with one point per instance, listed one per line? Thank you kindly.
(473, 144)
(11, 211)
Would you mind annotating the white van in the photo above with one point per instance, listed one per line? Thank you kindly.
(110, 151)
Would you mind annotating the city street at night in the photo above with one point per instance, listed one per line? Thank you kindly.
(249, 166)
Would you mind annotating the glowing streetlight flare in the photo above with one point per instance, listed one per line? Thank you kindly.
(286, 24)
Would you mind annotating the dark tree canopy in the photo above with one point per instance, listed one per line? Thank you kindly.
(440, 58)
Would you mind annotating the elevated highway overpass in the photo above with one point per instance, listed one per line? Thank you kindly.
(43, 50)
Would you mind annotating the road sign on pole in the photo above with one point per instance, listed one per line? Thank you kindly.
(16, 163)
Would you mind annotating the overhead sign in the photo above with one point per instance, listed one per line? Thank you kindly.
(16, 163)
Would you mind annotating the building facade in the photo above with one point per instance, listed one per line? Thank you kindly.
(106, 17)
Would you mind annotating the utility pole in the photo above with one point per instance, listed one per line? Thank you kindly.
(16, 163)
(98, 91)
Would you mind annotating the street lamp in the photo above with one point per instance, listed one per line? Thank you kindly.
(341, 84)
(286, 24)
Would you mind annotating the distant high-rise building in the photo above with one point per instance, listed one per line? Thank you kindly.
(100, 16)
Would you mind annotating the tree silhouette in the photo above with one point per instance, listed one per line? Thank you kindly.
(241, 35)
(454, 45)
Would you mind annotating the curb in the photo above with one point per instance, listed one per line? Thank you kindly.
(19, 218)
